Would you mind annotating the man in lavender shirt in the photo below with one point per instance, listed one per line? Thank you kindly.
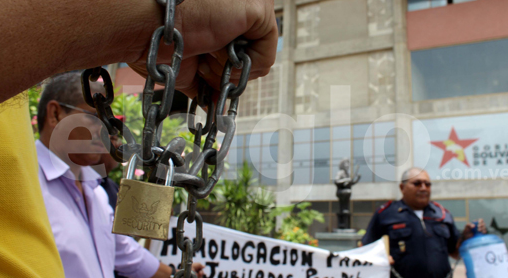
(78, 208)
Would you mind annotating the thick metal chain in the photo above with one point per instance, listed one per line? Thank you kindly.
(152, 153)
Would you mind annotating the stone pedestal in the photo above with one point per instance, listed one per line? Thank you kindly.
(339, 240)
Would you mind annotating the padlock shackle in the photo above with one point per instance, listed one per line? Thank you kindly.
(170, 172)
(131, 168)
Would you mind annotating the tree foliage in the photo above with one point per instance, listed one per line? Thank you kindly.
(34, 95)
(242, 206)
(295, 226)
(245, 205)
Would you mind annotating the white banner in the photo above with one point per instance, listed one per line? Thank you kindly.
(227, 253)
(456, 148)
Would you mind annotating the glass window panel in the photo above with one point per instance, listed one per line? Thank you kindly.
(321, 175)
(318, 227)
(256, 175)
(367, 175)
(266, 156)
(280, 43)
(360, 131)
(322, 150)
(322, 134)
(341, 149)
(335, 207)
(235, 156)
(456, 207)
(301, 152)
(462, 70)
(271, 138)
(334, 223)
(268, 176)
(342, 132)
(489, 209)
(231, 173)
(269, 154)
(301, 174)
(237, 141)
(274, 152)
(253, 139)
(301, 135)
(414, 5)
(362, 207)
(360, 222)
(460, 225)
(439, 3)
(384, 172)
(384, 129)
(253, 155)
(320, 206)
(361, 149)
(384, 147)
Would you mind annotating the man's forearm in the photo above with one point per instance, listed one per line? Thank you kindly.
(164, 271)
(42, 38)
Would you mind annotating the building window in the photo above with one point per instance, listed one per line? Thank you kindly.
(362, 212)
(302, 154)
(374, 151)
(311, 156)
(259, 150)
(462, 70)
(458, 210)
(279, 19)
(317, 152)
(280, 28)
(415, 5)
(307, 86)
(307, 33)
(493, 212)
(261, 97)
(330, 216)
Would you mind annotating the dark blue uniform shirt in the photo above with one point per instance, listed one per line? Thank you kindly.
(419, 248)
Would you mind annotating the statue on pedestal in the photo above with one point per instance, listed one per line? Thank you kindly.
(344, 182)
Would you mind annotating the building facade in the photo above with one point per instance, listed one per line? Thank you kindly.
(390, 84)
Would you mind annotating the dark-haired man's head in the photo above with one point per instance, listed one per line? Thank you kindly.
(416, 188)
(67, 125)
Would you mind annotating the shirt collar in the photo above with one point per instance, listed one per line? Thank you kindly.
(404, 206)
(53, 167)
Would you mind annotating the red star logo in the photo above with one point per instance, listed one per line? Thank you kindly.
(453, 147)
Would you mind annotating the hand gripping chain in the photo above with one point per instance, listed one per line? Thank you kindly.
(151, 151)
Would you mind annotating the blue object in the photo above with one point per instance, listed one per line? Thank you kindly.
(478, 240)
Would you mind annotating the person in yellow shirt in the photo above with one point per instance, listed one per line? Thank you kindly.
(27, 247)
(43, 38)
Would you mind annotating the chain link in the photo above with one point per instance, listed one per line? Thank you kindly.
(150, 151)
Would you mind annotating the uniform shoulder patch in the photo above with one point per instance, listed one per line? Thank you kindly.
(440, 206)
(384, 206)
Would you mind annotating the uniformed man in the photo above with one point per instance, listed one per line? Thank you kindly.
(422, 233)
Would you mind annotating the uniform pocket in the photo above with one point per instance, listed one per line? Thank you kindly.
(399, 239)
(442, 231)
(400, 233)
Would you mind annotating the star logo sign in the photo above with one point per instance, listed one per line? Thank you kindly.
(453, 147)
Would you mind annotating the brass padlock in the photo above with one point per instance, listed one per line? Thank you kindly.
(144, 209)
